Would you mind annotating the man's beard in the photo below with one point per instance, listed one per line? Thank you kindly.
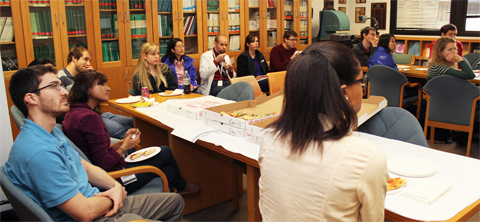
(47, 107)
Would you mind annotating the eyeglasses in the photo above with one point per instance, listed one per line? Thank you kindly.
(363, 82)
(293, 40)
(55, 85)
(180, 46)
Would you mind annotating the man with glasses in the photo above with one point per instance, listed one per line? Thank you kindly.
(281, 55)
(367, 45)
(45, 166)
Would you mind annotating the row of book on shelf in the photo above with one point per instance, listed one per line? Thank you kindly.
(107, 4)
(189, 25)
(108, 26)
(189, 5)
(110, 51)
(6, 29)
(138, 25)
(41, 23)
(5, 2)
(303, 29)
(39, 1)
(76, 22)
(254, 21)
(164, 25)
(137, 46)
(233, 23)
(255, 3)
(136, 4)
(213, 23)
(234, 44)
(9, 59)
(234, 5)
(212, 5)
(164, 5)
(44, 52)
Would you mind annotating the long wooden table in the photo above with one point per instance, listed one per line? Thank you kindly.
(213, 168)
(412, 72)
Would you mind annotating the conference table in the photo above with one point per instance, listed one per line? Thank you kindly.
(419, 73)
(209, 161)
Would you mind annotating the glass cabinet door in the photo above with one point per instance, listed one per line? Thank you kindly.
(76, 24)
(166, 13)
(234, 15)
(212, 21)
(272, 19)
(288, 23)
(191, 32)
(110, 30)
(303, 15)
(137, 18)
(12, 56)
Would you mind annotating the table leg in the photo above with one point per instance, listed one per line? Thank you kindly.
(253, 174)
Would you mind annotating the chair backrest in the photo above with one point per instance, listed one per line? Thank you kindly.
(473, 59)
(404, 59)
(395, 123)
(276, 80)
(79, 151)
(250, 79)
(131, 92)
(386, 82)
(451, 99)
(24, 206)
(17, 116)
(239, 91)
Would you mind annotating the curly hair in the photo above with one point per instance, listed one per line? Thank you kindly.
(438, 47)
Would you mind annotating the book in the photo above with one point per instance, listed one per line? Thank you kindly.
(414, 48)
(2, 24)
(427, 51)
(400, 48)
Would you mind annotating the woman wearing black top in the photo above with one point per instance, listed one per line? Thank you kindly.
(252, 62)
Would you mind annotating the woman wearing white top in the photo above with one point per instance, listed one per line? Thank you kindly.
(312, 167)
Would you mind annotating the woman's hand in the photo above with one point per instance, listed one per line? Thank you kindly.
(261, 77)
(132, 138)
(453, 57)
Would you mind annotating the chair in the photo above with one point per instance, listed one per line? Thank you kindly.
(17, 116)
(404, 59)
(473, 59)
(276, 80)
(395, 123)
(250, 79)
(25, 208)
(239, 91)
(451, 104)
(390, 83)
(131, 92)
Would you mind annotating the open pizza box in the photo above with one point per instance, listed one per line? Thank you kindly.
(370, 107)
(263, 105)
(193, 108)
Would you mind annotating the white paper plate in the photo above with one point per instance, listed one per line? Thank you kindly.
(142, 158)
(403, 67)
(154, 104)
(395, 191)
(411, 166)
(421, 69)
(128, 100)
(176, 92)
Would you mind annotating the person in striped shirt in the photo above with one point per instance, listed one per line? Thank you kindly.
(444, 60)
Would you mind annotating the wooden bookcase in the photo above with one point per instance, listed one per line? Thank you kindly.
(298, 17)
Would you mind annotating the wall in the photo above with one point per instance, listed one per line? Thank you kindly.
(5, 133)
(355, 28)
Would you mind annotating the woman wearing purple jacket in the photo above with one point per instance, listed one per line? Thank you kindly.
(176, 59)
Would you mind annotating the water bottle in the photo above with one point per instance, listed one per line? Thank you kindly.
(186, 83)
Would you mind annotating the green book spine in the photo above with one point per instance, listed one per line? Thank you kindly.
(45, 23)
(77, 22)
(115, 25)
(33, 24)
(138, 24)
(84, 22)
(104, 52)
(68, 12)
(49, 23)
(39, 19)
(144, 25)
(36, 52)
(51, 53)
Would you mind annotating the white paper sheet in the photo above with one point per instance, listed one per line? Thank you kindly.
(191, 131)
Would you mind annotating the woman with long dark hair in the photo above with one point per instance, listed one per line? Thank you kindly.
(176, 59)
(312, 167)
(83, 125)
(252, 62)
(383, 55)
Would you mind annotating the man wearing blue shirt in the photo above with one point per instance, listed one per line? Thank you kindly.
(48, 169)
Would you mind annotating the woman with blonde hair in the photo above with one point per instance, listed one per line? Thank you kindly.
(150, 73)
(444, 60)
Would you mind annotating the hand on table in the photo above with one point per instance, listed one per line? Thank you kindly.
(118, 195)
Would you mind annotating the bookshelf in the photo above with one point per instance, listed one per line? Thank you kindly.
(298, 16)
(419, 46)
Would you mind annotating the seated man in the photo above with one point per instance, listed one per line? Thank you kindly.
(449, 30)
(44, 165)
(281, 55)
(367, 45)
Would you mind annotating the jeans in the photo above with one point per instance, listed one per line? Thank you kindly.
(117, 125)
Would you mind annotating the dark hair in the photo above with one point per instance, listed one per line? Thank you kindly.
(250, 38)
(448, 27)
(40, 61)
(171, 45)
(289, 33)
(25, 81)
(82, 83)
(314, 98)
(384, 41)
(76, 52)
(366, 31)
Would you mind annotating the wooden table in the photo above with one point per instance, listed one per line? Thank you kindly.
(213, 168)
(411, 72)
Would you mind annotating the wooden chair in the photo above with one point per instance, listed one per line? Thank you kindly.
(404, 59)
(276, 80)
(451, 104)
(250, 79)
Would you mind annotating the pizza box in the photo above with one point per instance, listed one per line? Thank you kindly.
(370, 107)
(226, 128)
(193, 108)
(263, 104)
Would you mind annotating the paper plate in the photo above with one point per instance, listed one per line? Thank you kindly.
(128, 100)
(176, 92)
(403, 67)
(395, 191)
(411, 166)
(154, 104)
(421, 69)
(142, 158)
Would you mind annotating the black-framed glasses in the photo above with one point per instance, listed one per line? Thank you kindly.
(363, 81)
(55, 85)
(294, 40)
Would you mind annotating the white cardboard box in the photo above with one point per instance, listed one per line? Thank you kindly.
(226, 128)
(193, 108)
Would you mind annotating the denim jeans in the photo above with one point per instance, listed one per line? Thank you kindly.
(117, 125)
